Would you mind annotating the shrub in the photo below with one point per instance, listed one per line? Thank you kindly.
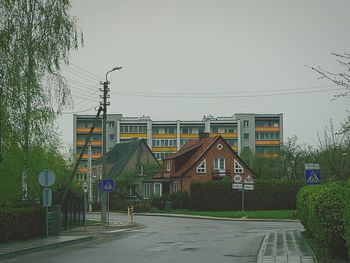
(267, 195)
(21, 223)
(321, 211)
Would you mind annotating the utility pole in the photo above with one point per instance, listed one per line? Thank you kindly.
(104, 105)
(90, 178)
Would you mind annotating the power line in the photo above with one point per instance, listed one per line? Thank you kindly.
(72, 112)
(80, 74)
(85, 70)
(204, 95)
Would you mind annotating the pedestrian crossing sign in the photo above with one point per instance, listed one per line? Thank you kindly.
(312, 176)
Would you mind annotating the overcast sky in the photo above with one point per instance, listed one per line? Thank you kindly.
(183, 59)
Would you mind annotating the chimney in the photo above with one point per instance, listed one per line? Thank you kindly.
(203, 135)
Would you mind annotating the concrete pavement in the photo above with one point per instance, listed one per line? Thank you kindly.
(287, 246)
(69, 237)
(282, 246)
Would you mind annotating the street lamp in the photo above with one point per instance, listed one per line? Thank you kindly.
(104, 144)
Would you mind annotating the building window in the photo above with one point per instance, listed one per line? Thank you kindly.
(147, 190)
(186, 130)
(219, 164)
(202, 167)
(169, 130)
(168, 166)
(245, 123)
(246, 136)
(157, 190)
(214, 129)
(219, 146)
(111, 124)
(155, 130)
(111, 137)
(175, 187)
(238, 169)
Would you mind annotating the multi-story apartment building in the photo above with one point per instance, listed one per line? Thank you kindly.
(262, 133)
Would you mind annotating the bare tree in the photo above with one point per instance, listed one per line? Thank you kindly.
(341, 79)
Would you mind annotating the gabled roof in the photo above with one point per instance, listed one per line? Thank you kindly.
(199, 149)
(120, 155)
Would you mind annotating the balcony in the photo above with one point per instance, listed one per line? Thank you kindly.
(268, 155)
(219, 174)
(267, 129)
(86, 156)
(164, 149)
(86, 130)
(164, 136)
(267, 142)
(133, 135)
(93, 143)
(225, 135)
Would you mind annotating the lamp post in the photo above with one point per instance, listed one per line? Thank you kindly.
(105, 96)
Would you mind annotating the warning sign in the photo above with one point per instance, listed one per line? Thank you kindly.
(249, 180)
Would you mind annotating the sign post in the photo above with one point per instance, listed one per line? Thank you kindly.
(241, 186)
(107, 185)
(47, 178)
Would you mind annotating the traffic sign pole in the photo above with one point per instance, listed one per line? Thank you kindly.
(243, 200)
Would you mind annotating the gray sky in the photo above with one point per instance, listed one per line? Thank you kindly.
(219, 49)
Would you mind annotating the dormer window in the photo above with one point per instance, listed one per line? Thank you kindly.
(168, 166)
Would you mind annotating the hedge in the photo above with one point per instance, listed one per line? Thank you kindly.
(21, 223)
(267, 195)
(321, 211)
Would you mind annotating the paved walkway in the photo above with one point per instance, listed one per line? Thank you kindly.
(285, 247)
(72, 236)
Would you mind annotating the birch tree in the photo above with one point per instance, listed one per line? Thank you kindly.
(36, 37)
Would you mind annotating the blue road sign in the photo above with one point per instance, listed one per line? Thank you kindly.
(312, 176)
(106, 185)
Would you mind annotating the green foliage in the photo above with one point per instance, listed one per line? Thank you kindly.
(21, 223)
(321, 209)
(178, 200)
(268, 194)
(39, 159)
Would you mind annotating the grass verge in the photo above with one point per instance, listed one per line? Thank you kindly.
(268, 214)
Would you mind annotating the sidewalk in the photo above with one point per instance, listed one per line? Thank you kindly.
(71, 236)
(286, 247)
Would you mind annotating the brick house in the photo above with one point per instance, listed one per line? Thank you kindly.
(209, 158)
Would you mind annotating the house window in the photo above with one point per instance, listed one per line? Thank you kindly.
(238, 167)
(147, 190)
(246, 136)
(202, 167)
(219, 146)
(168, 166)
(245, 123)
(219, 164)
(157, 189)
(175, 187)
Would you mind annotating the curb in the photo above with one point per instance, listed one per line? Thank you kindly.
(216, 218)
(38, 247)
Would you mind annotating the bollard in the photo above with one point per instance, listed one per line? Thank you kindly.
(131, 214)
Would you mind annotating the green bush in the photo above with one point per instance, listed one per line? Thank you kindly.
(321, 211)
(21, 223)
(346, 218)
(267, 195)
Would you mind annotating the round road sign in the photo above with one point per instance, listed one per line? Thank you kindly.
(46, 178)
(237, 178)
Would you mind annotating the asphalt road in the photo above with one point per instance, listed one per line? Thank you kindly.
(163, 239)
